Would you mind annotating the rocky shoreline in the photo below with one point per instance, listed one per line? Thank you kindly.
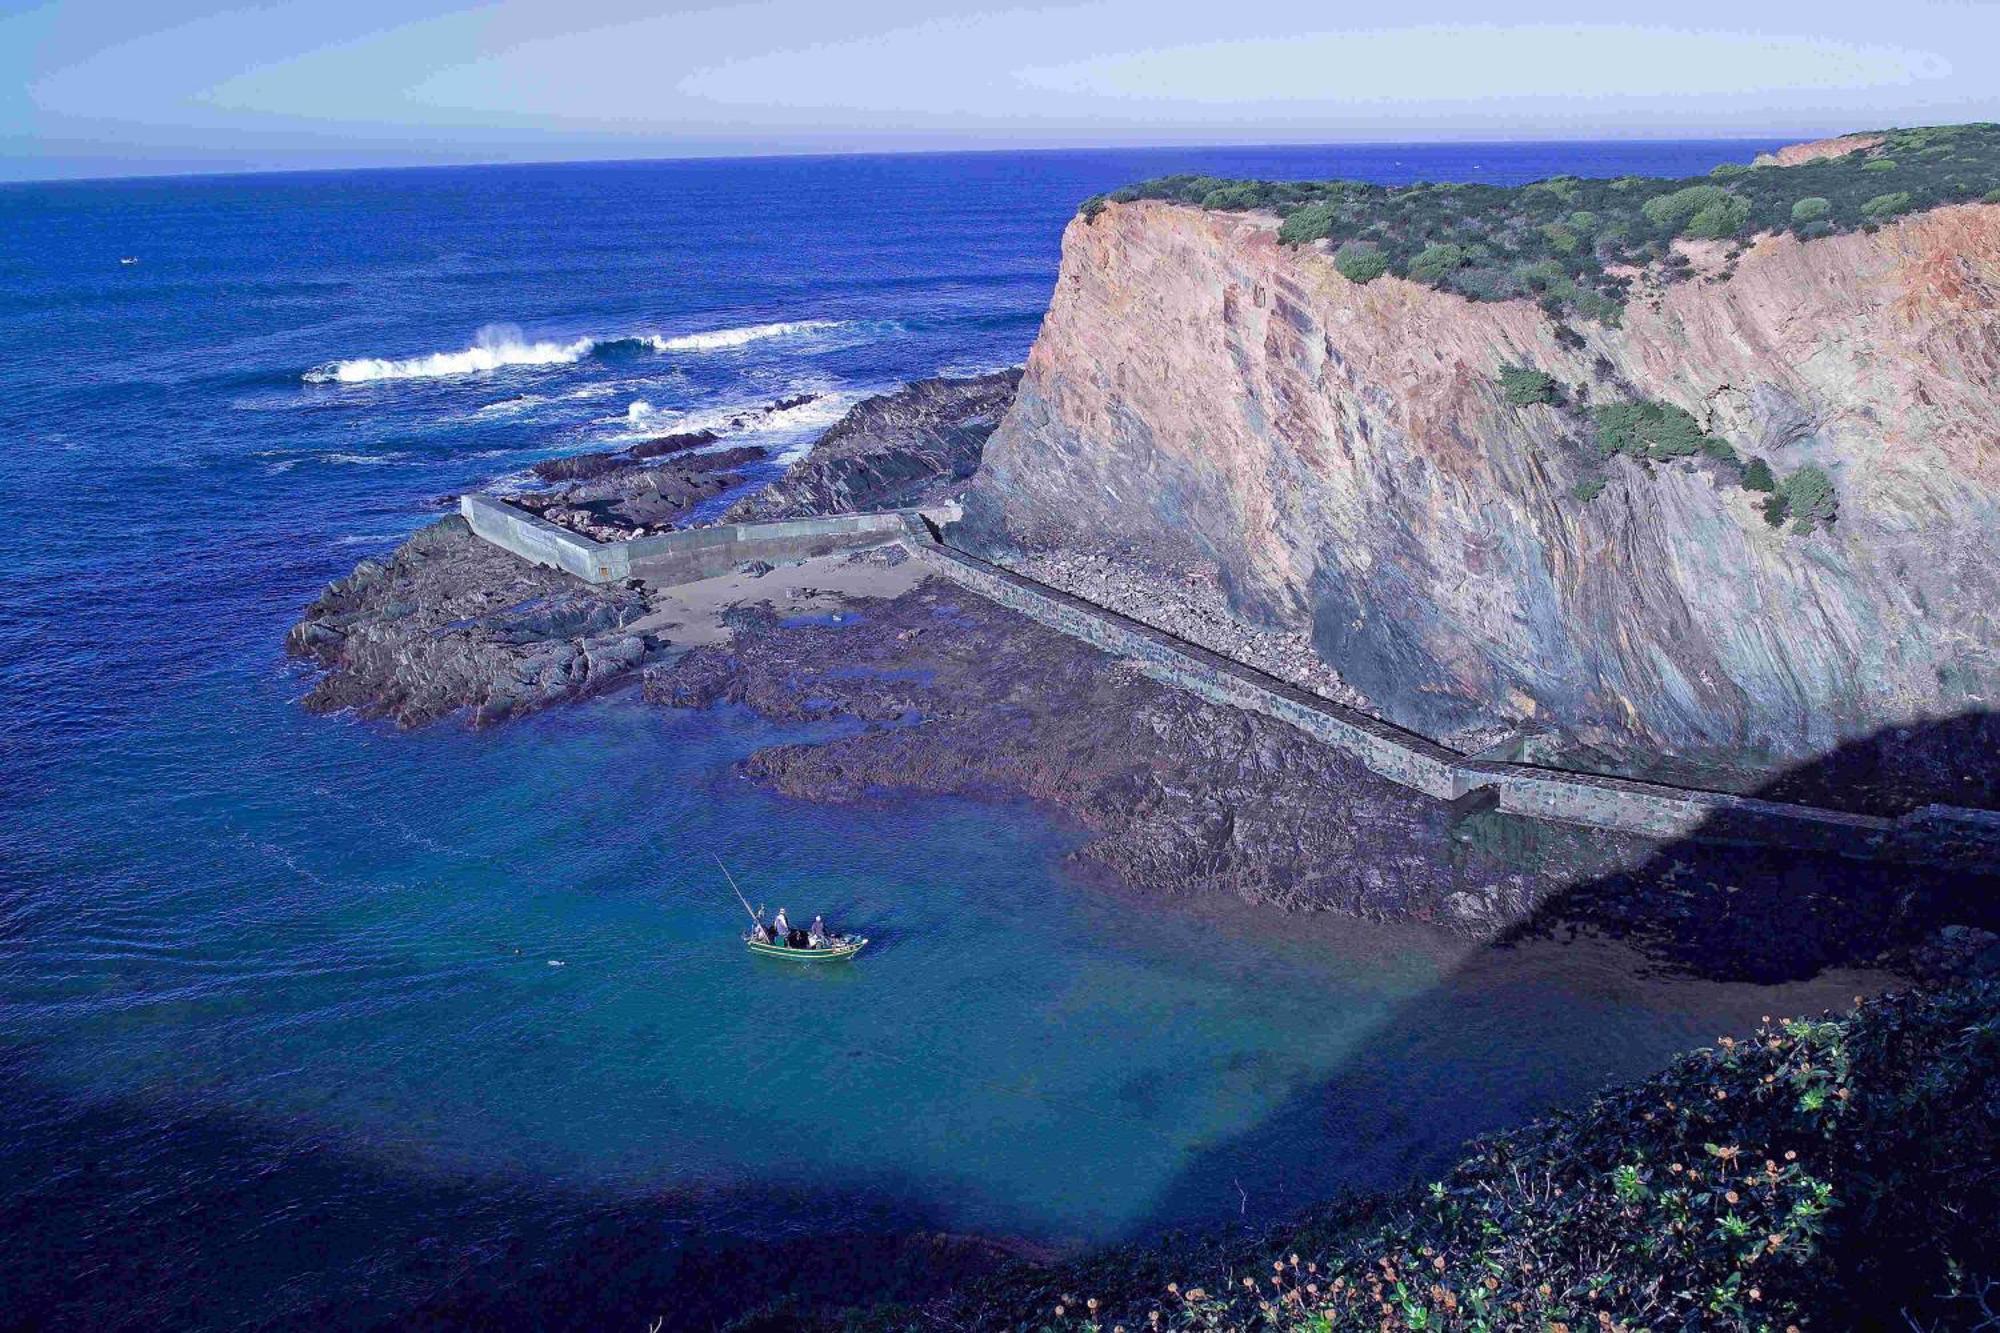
(917, 446)
(955, 695)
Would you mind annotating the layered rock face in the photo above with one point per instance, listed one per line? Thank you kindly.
(1344, 457)
(907, 448)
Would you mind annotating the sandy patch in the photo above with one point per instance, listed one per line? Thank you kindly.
(690, 614)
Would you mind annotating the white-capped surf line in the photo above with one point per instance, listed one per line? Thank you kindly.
(718, 339)
(495, 346)
(502, 345)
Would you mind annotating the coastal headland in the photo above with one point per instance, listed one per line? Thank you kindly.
(1648, 596)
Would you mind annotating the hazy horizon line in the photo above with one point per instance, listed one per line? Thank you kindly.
(176, 172)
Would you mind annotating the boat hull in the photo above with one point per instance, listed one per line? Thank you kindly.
(836, 954)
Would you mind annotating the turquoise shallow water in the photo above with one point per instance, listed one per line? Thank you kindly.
(280, 1036)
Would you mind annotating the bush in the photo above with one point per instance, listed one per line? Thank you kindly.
(1526, 386)
(1757, 476)
(1671, 212)
(1809, 498)
(1719, 220)
(1436, 263)
(1646, 430)
(1588, 489)
(1556, 239)
(1886, 205)
(1308, 224)
(1880, 164)
(1231, 198)
(1719, 450)
(1361, 261)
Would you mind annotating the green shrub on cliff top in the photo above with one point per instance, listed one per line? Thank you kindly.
(1361, 261)
(1557, 241)
(1886, 205)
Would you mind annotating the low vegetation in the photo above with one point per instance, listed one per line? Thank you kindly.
(1652, 433)
(1826, 1172)
(1573, 243)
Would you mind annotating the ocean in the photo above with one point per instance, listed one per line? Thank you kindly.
(303, 1020)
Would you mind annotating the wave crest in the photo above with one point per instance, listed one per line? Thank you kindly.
(500, 345)
(495, 346)
(717, 339)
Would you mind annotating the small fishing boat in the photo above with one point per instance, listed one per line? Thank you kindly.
(833, 951)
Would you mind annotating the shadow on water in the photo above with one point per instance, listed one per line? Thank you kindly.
(131, 1232)
(125, 1234)
(1688, 912)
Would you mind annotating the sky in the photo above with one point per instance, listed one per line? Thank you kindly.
(103, 88)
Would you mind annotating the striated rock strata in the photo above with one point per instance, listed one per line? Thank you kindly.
(1345, 459)
(911, 447)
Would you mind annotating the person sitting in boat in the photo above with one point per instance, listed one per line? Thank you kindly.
(816, 936)
(759, 932)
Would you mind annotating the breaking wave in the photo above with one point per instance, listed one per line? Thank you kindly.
(495, 346)
(500, 345)
(717, 339)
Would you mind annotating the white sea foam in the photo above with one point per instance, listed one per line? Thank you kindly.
(719, 339)
(363, 460)
(495, 346)
(788, 433)
(501, 345)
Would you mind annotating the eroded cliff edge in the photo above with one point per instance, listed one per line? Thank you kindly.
(1344, 457)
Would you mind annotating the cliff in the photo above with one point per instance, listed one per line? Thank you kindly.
(1344, 458)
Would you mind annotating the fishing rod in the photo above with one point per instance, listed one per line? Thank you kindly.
(733, 889)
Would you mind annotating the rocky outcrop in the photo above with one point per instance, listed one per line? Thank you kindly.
(616, 497)
(956, 695)
(1817, 150)
(450, 622)
(1342, 455)
(912, 447)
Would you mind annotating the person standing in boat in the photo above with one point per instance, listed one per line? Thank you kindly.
(781, 929)
(816, 933)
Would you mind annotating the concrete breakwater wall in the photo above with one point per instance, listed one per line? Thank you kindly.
(671, 557)
(1935, 835)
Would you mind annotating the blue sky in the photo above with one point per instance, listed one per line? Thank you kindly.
(181, 85)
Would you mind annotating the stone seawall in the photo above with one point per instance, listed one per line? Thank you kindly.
(673, 557)
(1937, 835)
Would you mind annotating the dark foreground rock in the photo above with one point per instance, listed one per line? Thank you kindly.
(912, 447)
(450, 622)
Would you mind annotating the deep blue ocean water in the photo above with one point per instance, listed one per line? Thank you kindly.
(305, 1020)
